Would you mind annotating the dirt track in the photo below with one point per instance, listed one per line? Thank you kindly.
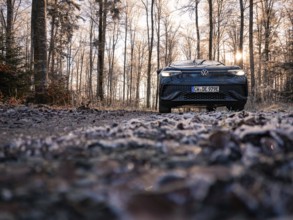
(40, 122)
(89, 164)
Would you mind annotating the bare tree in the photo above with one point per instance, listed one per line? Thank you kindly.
(158, 16)
(51, 53)
(125, 51)
(220, 26)
(141, 49)
(39, 47)
(193, 6)
(91, 60)
(150, 32)
(158, 29)
(170, 36)
(132, 43)
(105, 6)
(150, 56)
(197, 30)
(103, 10)
(251, 48)
(9, 30)
(211, 25)
(240, 63)
(267, 13)
(111, 59)
(187, 44)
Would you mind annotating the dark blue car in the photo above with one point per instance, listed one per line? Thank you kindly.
(202, 83)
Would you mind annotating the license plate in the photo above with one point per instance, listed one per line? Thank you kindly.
(205, 89)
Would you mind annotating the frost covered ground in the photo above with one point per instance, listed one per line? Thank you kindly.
(89, 164)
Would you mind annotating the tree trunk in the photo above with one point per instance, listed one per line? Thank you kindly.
(77, 73)
(211, 29)
(9, 32)
(266, 46)
(150, 57)
(197, 30)
(81, 71)
(27, 50)
(150, 48)
(219, 10)
(139, 67)
(166, 44)
(259, 47)
(112, 59)
(240, 61)
(39, 39)
(51, 55)
(251, 47)
(267, 11)
(101, 47)
(132, 36)
(125, 56)
(159, 14)
(90, 85)
(69, 75)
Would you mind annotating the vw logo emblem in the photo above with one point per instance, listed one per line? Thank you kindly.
(204, 72)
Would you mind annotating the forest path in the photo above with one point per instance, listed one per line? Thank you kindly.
(40, 122)
(89, 164)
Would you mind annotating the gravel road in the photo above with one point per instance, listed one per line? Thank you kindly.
(131, 165)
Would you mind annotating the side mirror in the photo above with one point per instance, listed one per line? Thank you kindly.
(158, 71)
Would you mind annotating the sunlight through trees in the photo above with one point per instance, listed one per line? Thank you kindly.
(106, 52)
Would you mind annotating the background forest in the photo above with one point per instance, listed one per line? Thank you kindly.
(106, 52)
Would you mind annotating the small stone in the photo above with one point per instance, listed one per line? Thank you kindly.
(180, 126)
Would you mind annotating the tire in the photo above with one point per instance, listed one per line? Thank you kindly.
(236, 107)
(164, 108)
(211, 108)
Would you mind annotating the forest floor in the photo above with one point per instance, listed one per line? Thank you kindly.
(67, 164)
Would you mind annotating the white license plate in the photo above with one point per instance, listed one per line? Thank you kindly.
(205, 89)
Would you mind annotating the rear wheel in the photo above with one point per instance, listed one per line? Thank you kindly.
(164, 108)
(236, 107)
